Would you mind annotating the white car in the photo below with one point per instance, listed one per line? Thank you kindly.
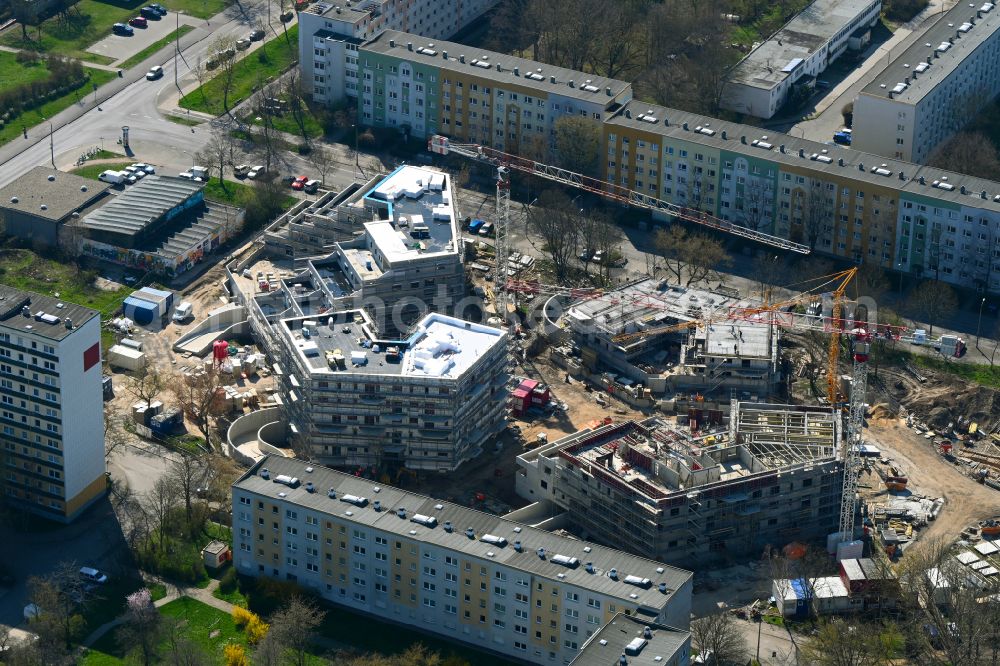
(136, 171)
(92, 575)
(154, 73)
(255, 171)
(148, 168)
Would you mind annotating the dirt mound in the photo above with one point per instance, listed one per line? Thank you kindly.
(948, 404)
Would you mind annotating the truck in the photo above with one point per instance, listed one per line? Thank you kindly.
(183, 311)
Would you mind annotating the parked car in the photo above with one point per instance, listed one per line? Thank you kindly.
(150, 13)
(486, 229)
(586, 255)
(598, 257)
(138, 174)
(843, 137)
(92, 575)
(160, 9)
(256, 35)
(154, 73)
(138, 22)
(111, 176)
(242, 44)
(822, 85)
(255, 171)
(148, 168)
(287, 16)
(122, 29)
(241, 170)
(311, 186)
(299, 182)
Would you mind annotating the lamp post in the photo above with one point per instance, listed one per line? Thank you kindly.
(177, 45)
(980, 322)
(52, 147)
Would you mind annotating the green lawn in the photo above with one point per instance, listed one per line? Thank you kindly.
(266, 63)
(183, 120)
(154, 47)
(14, 73)
(235, 194)
(979, 373)
(95, 170)
(26, 270)
(35, 116)
(92, 21)
(199, 623)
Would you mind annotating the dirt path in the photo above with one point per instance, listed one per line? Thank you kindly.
(965, 500)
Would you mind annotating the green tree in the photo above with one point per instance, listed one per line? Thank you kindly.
(578, 144)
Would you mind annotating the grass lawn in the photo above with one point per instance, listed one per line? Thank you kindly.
(26, 270)
(979, 373)
(266, 63)
(108, 601)
(105, 155)
(93, 22)
(94, 170)
(199, 623)
(35, 116)
(154, 47)
(235, 193)
(157, 591)
(183, 120)
(14, 73)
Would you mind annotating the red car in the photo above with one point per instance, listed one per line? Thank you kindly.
(299, 182)
(138, 22)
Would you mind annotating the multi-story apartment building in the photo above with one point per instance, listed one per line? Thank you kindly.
(51, 410)
(391, 246)
(919, 220)
(761, 83)
(715, 360)
(933, 88)
(429, 401)
(640, 642)
(773, 476)
(330, 32)
(494, 99)
(527, 594)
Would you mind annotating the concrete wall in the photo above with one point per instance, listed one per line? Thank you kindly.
(30, 228)
(220, 323)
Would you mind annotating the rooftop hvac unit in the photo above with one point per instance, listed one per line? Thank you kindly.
(638, 581)
(331, 493)
(265, 473)
(284, 479)
(494, 540)
(426, 521)
(566, 561)
(377, 505)
(309, 487)
(635, 646)
(354, 499)
(469, 532)
(447, 526)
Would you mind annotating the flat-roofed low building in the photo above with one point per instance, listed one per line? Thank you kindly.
(761, 83)
(640, 642)
(36, 206)
(476, 578)
(772, 475)
(428, 401)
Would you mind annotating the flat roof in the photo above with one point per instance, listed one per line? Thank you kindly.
(737, 339)
(413, 195)
(804, 154)
(59, 193)
(609, 642)
(527, 559)
(47, 315)
(773, 60)
(928, 62)
(141, 204)
(439, 346)
(497, 67)
(657, 459)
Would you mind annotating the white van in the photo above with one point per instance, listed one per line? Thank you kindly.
(199, 172)
(92, 575)
(183, 311)
(110, 176)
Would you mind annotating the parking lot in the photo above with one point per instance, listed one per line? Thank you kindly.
(121, 48)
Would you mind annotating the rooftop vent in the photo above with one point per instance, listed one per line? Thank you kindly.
(44, 207)
(401, 512)
(517, 71)
(331, 493)
(377, 505)
(409, 46)
(647, 632)
(921, 180)
(566, 561)
(51, 178)
(461, 58)
(552, 79)
(444, 55)
(290, 481)
(613, 573)
(13, 200)
(354, 499)
(264, 473)
(725, 135)
(628, 114)
(469, 532)
(392, 43)
(589, 567)
(982, 195)
(517, 546)
(83, 188)
(662, 587)
(571, 84)
(494, 540)
(447, 526)
(310, 488)
(541, 553)
(426, 521)
(684, 126)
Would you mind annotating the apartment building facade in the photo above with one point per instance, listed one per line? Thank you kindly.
(330, 33)
(509, 103)
(427, 402)
(761, 83)
(932, 89)
(527, 594)
(770, 476)
(922, 221)
(51, 409)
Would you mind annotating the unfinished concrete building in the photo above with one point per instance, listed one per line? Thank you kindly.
(771, 475)
(721, 360)
(391, 246)
(429, 401)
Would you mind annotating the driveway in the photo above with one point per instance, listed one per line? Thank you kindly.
(122, 48)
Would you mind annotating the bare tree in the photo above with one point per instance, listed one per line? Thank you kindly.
(293, 628)
(224, 50)
(697, 256)
(180, 649)
(968, 152)
(323, 160)
(141, 628)
(58, 598)
(756, 203)
(291, 93)
(187, 474)
(221, 151)
(159, 503)
(556, 223)
(932, 302)
(146, 384)
(578, 144)
(839, 644)
(719, 639)
(607, 238)
(202, 398)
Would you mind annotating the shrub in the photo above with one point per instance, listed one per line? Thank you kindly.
(241, 616)
(229, 581)
(235, 655)
(256, 629)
